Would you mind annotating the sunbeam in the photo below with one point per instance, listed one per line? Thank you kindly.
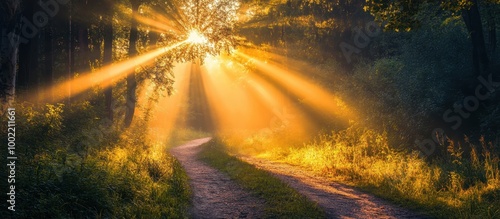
(309, 93)
(157, 25)
(103, 77)
(232, 106)
(170, 111)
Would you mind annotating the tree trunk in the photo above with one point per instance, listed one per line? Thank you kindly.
(69, 49)
(35, 73)
(48, 73)
(492, 28)
(74, 44)
(108, 58)
(131, 80)
(472, 20)
(24, 75)
(83, 38)
(9, 11)
(28, 57)
(153, 38)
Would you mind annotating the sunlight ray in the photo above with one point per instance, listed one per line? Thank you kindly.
(309, 93)
(103, 77)
(170, 111)
(155, 20)
(159, 25)
(241, 100)
(276, 54)
(232, 105)
(282, 105)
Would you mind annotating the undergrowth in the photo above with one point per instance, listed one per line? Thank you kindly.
(463, 184)
(73, 164)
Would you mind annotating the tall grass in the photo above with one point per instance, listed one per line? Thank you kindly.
(75, 165)
(464, 184)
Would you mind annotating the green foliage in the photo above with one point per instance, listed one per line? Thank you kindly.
(213, 21)
(281, 200)
(312, 29)
(403, 15)
(409, 89)
(454, 187)
(70, 167)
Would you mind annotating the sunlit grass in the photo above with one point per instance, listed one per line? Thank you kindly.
(452, 187)
(77, 166)
(158, 186)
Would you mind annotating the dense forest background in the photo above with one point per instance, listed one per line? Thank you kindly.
(424, 74)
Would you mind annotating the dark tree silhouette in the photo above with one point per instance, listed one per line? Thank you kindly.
(10, 25)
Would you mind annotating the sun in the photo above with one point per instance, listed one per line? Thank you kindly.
(195, 37)
(206, 27)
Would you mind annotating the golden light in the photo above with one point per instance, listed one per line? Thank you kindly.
(242, 90)
(238, 100)
(103, 77)
(311, 94)
(169, 112)
(195, 37)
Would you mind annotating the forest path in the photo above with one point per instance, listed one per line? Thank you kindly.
(338, 201)
(215, 195)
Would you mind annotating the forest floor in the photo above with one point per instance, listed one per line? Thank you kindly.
(216, 196)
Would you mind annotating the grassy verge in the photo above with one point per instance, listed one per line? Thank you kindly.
(281, 200)
(74, 165)
(464, 183)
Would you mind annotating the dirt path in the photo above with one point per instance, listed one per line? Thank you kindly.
(214, 194)
(338, 201)
(217, 196)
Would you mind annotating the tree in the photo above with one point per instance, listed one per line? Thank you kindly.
(49, 57)
(28, 54)
(210, 22)
(108, 54)
(132, 51)
(318, 24)
(207, 27)
(401, 15)
(9, 45)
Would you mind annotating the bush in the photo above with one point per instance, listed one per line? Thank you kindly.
(75, 165)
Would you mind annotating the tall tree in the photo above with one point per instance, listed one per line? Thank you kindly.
(132, 51)
(472, 19)
(9, 26)
(108, 54)
(48, 73)
(70, 48)
(322, 24)
(28, 54)
(83, 20)
(491, 11)
(401, 15)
